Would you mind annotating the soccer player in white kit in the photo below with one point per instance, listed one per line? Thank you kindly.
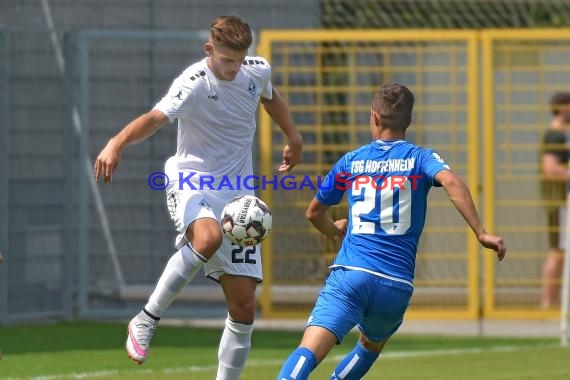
(215, 101)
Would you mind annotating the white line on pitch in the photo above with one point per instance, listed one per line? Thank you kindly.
(272, 362)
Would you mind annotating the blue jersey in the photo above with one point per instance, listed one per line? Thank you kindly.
(387, 183)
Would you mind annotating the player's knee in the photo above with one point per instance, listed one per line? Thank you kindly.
(370, 345)
(242, 312)
(207, 244)
(205, 237)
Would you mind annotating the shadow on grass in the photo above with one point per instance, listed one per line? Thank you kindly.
(64, 336)
(96, 336)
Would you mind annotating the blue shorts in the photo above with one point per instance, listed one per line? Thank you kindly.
(352, 297)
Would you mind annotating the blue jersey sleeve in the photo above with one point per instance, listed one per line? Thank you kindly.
(335, 184)
(433, 164)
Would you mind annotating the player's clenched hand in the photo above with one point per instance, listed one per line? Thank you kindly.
(493, 242)
(107, 162)
(340, 229)
(341, 225)
(291, 157)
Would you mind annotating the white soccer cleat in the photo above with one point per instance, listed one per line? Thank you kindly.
(141, 329)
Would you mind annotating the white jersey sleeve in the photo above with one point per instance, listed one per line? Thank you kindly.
(178, 102)
(260, 69)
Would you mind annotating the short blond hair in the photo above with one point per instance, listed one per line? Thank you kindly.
(231, 32)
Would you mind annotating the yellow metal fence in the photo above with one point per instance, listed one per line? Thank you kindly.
(489, 131)
(327, 79)
(521, 69)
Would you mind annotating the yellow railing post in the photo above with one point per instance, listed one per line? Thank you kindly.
(266, 169)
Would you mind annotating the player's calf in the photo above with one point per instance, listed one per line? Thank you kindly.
(234, 349)
(298, 365)
(355, 365)
(179, 271)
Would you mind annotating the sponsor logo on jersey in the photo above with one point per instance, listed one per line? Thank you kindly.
(439, 159)
(178, 97)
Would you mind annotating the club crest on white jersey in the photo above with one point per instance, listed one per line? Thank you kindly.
(252, 88)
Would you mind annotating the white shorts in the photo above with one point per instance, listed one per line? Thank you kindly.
(186, 206)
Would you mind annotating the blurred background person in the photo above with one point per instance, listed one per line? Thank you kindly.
(555, 174)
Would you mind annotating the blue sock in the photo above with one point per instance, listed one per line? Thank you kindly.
(298, 365)
(355, 365)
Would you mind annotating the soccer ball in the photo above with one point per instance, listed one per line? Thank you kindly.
(246, 220)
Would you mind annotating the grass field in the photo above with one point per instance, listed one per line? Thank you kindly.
(88, 350)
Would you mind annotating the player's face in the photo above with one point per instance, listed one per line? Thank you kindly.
(225, 63)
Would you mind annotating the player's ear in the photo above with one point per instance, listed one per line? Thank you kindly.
(374, 118)
(208, 48)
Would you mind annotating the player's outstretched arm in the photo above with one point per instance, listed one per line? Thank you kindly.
(134, 132)
(278, 110)
(460, 196)
(318, 215)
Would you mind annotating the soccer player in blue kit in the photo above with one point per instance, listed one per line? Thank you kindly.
(370, 283)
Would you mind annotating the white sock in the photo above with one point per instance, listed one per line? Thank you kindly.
(233, 351)
(179, 271)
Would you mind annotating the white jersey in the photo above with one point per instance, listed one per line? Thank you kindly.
(216, 121)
